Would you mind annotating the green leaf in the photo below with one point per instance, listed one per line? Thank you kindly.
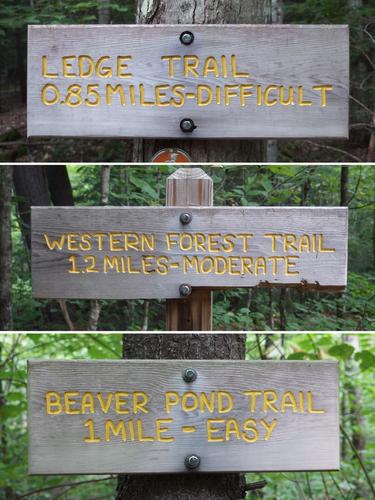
(15, 396)
(341, 351)
(366, 359)
(298, 355)
(287, 170)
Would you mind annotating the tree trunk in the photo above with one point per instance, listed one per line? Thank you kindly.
(60, 189)
(104, 12)
(344, 187)
(31, 189)
(95, 304)
(355, 407)
(344, 201)
(277, 18)
(5, 248)
(39, 185)
(204, 12)
(182, 486)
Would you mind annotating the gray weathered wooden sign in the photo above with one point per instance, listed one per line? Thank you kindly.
(147, 252)
(233, 81)
(143, 417)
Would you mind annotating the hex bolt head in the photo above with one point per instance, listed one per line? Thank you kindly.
(187, 125)
(186, 38)
(185, 218)
(189, 375)
(185, 290)
(192, 462)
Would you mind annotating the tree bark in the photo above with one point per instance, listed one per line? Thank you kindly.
(344, 187)
(104, 12)
(204, 12)
(355, 407)
(5, 248)
(31, 189)
(39, 185)
(344, 201)
(182, 486)
(277, 14)
(60, 189)
(95, 304)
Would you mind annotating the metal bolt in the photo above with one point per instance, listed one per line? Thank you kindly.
(187, 125)
(189, 375)
(192, 462)
(186, 218)
(187, 37)
(185, 290)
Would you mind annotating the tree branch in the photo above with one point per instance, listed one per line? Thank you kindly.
(66, 485)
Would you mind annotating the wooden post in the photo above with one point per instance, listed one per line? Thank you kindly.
(178, 346)
(190, 187)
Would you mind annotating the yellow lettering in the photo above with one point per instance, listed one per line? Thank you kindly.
(171, 60)
(45, 73)
(323, 93)
(69, 402)
(103, 71)
(91, 438)
(67, 66)
(310, 404)
(171, 399)
(120, 402)
(190, 66)
(122, 66)
(301, 102)
(160, 430)
(50, 87)
(111, 428)
(53, 400)
(288, 401)
(250, 426)
(269, 428)
(212, 430)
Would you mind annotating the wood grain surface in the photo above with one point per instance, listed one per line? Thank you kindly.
(71, 272)
(299, 440)
(285, 55)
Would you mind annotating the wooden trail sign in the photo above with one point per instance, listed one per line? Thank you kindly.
(145, 417)
(151, 252)
(200, 81)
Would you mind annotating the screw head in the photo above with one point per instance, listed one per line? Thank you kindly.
(187, 125)
(185, 290)
(189, 375)
(192, 462)
(185, 218)
(186, 38)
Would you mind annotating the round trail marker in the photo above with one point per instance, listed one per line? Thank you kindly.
(171, 155)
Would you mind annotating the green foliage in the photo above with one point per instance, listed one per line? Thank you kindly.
(356, 407)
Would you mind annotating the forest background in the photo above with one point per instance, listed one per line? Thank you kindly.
(234, 309)
(15, 15)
